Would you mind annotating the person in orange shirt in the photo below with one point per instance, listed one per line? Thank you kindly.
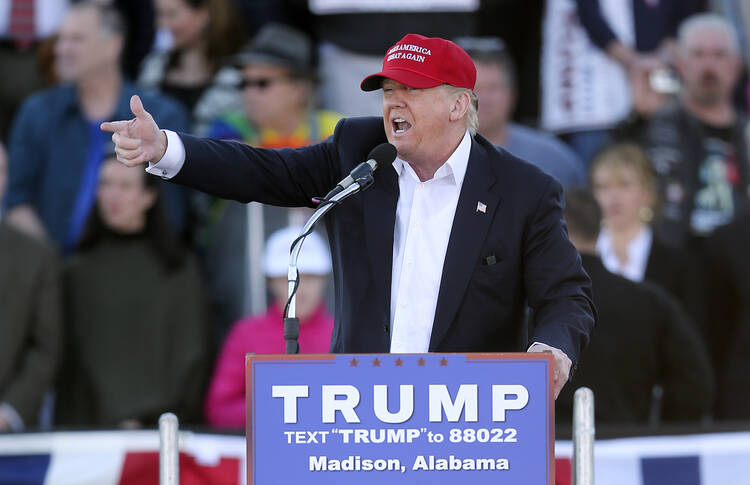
(278, 92)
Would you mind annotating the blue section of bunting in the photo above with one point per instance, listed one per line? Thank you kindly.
(679, 470)
(23, 469)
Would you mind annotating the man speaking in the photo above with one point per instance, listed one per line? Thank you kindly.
(450, 244)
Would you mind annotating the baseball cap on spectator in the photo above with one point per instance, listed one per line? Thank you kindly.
(424, 62)
(279, 45)
(314, 257)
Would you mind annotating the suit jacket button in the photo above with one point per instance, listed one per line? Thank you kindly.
(385, 328)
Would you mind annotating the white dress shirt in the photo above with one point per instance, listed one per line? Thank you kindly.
(424, 217)
(638, 251)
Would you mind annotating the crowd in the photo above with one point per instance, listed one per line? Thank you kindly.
(123, 296)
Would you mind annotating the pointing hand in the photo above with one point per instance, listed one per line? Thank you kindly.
(138, 140)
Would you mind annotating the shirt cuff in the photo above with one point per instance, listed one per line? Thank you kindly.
(10, 413)
(542, 345)
(173, 159)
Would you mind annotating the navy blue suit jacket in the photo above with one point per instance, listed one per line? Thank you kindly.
(515, 253)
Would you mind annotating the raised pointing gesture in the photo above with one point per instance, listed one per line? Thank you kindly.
(138, 140)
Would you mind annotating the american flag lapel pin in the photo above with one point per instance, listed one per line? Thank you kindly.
(481, 207)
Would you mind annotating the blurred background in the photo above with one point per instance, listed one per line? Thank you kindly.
(123, 296)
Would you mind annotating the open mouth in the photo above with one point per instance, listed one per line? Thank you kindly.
(400, 125)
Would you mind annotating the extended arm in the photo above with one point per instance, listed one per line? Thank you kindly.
(557, 287)
(228, 169)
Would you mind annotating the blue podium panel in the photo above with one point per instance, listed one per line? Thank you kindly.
(400, 419)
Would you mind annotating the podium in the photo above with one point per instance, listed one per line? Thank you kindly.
(400, 419)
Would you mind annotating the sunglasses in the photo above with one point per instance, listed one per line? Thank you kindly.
(260, 83)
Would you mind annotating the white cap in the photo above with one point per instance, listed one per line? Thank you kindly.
(314, 257)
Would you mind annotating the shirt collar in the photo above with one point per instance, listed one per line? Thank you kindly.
(455, 165)
(638, 251)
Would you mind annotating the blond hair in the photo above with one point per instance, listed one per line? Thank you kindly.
(472, 119)
(626, 155)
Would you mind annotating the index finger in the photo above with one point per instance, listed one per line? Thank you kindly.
(113, 126)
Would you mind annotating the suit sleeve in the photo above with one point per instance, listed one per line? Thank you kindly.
(285, 177)
(557, 288)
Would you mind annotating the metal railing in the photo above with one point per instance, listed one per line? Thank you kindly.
(169, 450)
(583, 437)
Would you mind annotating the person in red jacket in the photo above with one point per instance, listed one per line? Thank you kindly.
(264, 334)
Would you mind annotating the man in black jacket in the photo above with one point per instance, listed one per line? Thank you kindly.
(727, 326)
(447, 247)
(698, 145)
(646, 362)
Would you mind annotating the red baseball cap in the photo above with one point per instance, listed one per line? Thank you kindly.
(424, 62)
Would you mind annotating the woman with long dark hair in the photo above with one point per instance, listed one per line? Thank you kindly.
(134, 313)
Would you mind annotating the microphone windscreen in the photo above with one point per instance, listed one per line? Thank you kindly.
(383, 154)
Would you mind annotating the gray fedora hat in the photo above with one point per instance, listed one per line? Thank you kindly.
(279, 45)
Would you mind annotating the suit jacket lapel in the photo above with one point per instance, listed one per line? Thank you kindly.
(470, 225)
(380, 218)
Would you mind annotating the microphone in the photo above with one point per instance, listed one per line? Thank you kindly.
(382, 154)
(358, 179)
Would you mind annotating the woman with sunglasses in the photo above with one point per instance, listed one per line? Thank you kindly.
(278, 93)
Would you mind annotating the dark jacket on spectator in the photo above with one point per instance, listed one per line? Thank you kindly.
(654, 21)
(137, 344)
(728, 323)
(679, 273)
(642, 340)
(673, 139)
(30, 321)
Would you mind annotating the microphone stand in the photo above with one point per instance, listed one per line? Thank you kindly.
(291, 322)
